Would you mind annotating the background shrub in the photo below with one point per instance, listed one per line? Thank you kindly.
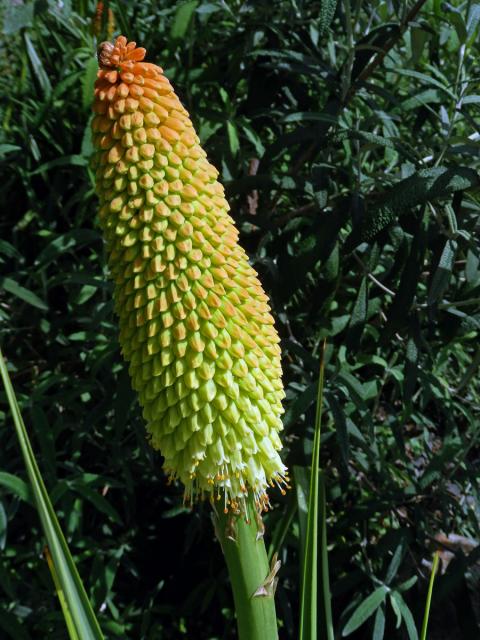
(350, 158)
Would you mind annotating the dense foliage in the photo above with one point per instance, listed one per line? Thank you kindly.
(350, 158)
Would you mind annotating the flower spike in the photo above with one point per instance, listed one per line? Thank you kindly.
(195, 323)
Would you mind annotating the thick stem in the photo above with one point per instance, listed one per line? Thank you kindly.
(249, 573)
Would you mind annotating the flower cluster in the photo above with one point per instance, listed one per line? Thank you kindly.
(195, 323)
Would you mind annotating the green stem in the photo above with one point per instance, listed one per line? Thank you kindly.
(249, 572)
(423, 635)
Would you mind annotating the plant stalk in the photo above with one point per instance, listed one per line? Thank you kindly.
(253, 582)
(426, 616)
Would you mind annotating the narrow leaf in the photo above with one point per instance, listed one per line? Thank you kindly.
(16, 485)
(365, 609)
(233, 138)
(426, 80)
(8, 148)
(24, 294)
(98, 501)
(3, 527)
(396, 610)
(182, 20)
(341, 430)
(473, 19)
(379, 626)
(406, 614)
(86, 624)
(441, 277)
(88, 80)
(309, 614)
(359, 316)
(395, 562)
(37, 66)
(61, 597)
(410, 277)
(73, 160)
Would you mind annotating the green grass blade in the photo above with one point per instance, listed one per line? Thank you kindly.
(326, 594)
(82, 616)
(316, 525)
(426, 615)
(72, 632)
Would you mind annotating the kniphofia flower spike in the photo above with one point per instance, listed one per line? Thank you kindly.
(195, 324)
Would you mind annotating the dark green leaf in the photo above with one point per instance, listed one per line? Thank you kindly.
(408, 584)
(9, 250)
(8, 148)
(359, 316)
(406, 615)
(365, 609)
(16, 485)
(3, 526)
(37, 66)
(396, 611)
(97, 500)
(473, 19)
(88, 81)
(443, 272)
(24, 294)
(456, 18)
(395, 562)
(419, 38)
(341, 430)
(183, 17)
(379, 626)
(301, 404)
(65, 161)
(421, 98)
(301, 477)
(425, 79)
